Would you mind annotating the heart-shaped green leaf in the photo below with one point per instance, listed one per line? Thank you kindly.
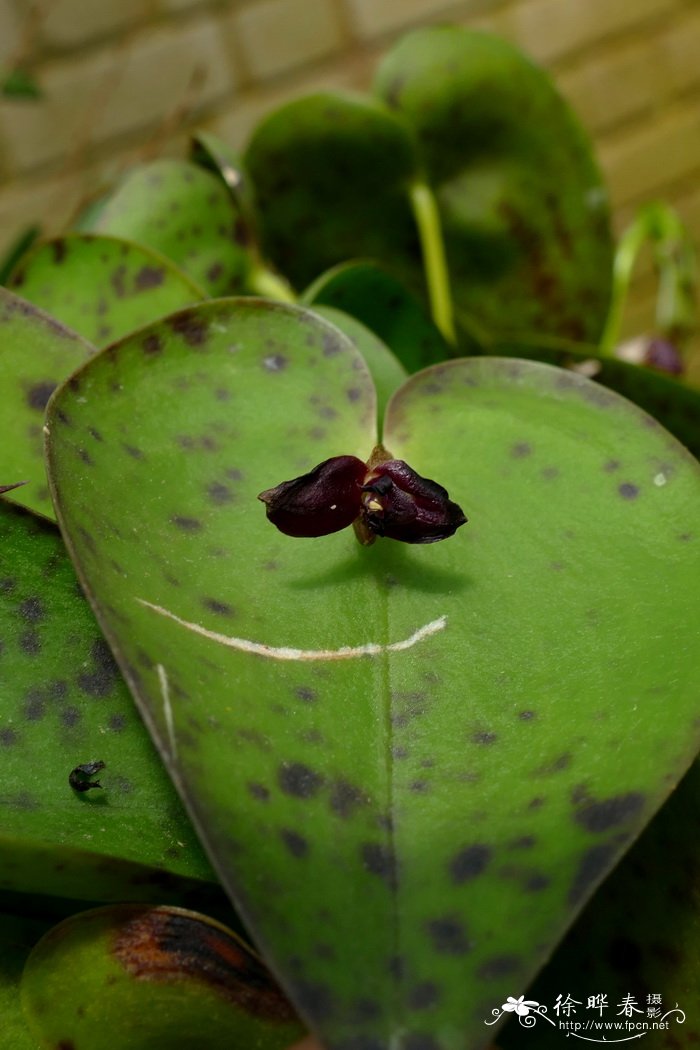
(186, 214)
(638, 937)
(331, 174)
(673, 403)
(154, 979)
(521, 200)
(36, 353)
(372, 295)
(102, 287)
(65, 705)
(412, 765)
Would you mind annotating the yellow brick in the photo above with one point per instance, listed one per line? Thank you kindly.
(370, 18)
(680, 54)
(548, 29)
(622, 85)
(47, 203)
(643, 163)
(235, 125)
(279, 35)
(68, 23)
(116, 92)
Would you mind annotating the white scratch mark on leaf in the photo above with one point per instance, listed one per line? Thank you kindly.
(167, 709)
(345, 652)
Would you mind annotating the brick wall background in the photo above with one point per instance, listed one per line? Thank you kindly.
(124, 79)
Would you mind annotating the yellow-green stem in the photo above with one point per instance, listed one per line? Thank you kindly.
(270, 285)
(427, 218)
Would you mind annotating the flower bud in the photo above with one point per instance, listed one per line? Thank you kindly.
(399, 503)
(325, 500)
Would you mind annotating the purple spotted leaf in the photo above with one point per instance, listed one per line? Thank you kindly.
(65, 708)
(411, 764)
(186, 214)
(639, 935)
(37, 354)
(155, 979)
(102, 286)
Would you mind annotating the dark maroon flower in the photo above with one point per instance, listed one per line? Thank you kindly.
(325, 500)
(402, 505)
(384, 497)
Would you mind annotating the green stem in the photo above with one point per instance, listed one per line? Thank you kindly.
(659, 225)
(427, 218)
(270, 285)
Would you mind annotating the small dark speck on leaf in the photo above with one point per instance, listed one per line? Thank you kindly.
(39, 394)
(298, 780)
(608, 813)
(218, 607)
(521, 450)
(627, 490)
(592, 865)
(32, 610)
(8, 737)
(186, 524)
(297, 845)
(448, 936)
(379, 859)
(484, 737)
(258, 791)
(469, 862)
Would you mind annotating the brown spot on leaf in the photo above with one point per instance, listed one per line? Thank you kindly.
(469, 862)
(448, 935)
(379, 859)
(592, 866)
(186, 524)
(298, 780)
(158, 944)
(190, 327)
(216, 606)
(38, 395)
(627, 490)
(346, 798)
(149, 277)
(297, 845)
(609, 812)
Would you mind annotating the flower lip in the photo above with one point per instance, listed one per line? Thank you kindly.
(403, 505)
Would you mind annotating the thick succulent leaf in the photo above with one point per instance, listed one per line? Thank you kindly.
(411, 765)
(36, 353)
(372, 295)
(673, 403)
(522, 203)
(186, 214)
(386, 370)
(154, 979)
(639, 936)
(64, 704)
(102, 287)
(330, 174)
(18, 934)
